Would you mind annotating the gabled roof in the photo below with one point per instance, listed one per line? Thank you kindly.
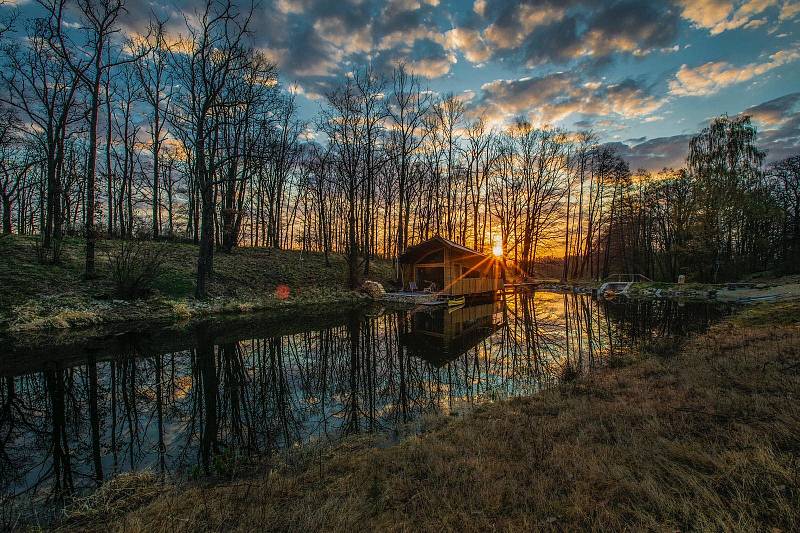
(417, 251)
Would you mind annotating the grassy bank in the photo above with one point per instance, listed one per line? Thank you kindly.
(766, 288)
(706, 439)
(36, 296)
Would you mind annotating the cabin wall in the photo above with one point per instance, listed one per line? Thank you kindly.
(454, 284)
(448, 272)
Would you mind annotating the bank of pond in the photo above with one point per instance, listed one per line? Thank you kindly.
(185, 403)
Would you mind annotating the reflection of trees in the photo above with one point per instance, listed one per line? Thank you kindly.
(65, 428)
(644, 319)
(94, 420)
(59, 444)
(207, 387)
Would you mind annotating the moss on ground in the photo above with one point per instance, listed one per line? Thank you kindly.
(36, 296)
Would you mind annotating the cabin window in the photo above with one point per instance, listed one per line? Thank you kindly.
(466, 272)
(430, 276)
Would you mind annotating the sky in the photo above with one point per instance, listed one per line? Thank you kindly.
(644, 75)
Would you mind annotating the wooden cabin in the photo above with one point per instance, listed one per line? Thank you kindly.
(452, 269)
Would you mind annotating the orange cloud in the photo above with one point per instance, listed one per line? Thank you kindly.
(713, 76)
(718, 16)
(554, 97)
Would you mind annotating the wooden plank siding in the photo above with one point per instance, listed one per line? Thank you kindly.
(456, 262)
(475, 286)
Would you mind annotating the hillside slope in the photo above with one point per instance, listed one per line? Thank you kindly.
(36, 296)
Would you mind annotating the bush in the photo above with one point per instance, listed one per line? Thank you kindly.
(46, 256)
(135, 265)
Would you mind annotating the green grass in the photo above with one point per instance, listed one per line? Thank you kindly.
(40, 296)
(769, 314)
(174, 284)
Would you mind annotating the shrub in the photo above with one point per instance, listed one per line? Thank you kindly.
(46, 256)
(135, 265)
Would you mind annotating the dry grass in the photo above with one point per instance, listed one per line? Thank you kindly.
(125, 492)
(705, 440)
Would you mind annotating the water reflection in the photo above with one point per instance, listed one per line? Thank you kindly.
(172, 402)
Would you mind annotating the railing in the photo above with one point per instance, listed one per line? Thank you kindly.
(474, 286)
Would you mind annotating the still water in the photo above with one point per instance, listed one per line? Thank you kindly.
(173, 401)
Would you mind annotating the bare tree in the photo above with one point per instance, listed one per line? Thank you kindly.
(203, 66)
(40, 86)
(90, 62)
(407, 107)
(342, 122)
(11, 169)
(151, 69)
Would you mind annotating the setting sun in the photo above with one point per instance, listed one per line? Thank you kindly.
(497, 249)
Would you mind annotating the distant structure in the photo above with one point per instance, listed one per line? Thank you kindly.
(442, 266)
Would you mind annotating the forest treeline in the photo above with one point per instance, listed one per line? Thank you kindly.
(190, 135)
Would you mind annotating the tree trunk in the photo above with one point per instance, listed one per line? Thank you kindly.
(205, 260)
(91, 235)
(156, 150)
(6, 215)
(352, 246)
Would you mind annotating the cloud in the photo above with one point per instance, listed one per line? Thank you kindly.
(779, 121)
(789, 10)
(314, 42)
(784, 141)
(655, 154)
(405, 38)
(774, 112)
(470, 43)
(394, 7)
(713, 76)
(706, 13)
(358, 39)
(426, 58)
(429, 67)
(718, 16)
(554, 97)
(510, 32)
(533, 33)
(779, 135)
(630, 27)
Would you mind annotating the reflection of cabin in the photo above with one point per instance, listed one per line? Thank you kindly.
(452, 269)
(441, 335)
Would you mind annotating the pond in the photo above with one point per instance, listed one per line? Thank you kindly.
(172, 401)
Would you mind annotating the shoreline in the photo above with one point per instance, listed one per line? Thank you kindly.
(780, 289)
(656, 434)
(53, 316)
(30, 342)
(37, 298)
(48, 314)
